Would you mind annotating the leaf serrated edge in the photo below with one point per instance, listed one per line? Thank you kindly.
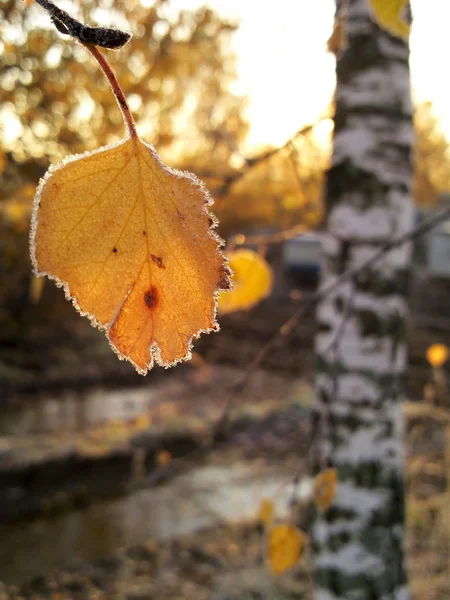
(154, 350)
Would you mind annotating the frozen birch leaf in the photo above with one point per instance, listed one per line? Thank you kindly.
(131, 242)
(285, 545)
(389, 14)
(252, 281)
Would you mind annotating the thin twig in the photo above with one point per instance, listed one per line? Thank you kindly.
(115, 86)
(90, 38)
(267, 238)
(250, 163)
(285, 330)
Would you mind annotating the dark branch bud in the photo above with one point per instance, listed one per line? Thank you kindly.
(113, 39)
(106, 37)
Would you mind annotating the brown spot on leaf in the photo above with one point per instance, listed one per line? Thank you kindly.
(151, 298)
(114, 250)
(158, 261)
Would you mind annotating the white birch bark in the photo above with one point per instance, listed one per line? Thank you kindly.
(360, 345)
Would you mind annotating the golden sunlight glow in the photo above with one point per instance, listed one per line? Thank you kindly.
(288, 74)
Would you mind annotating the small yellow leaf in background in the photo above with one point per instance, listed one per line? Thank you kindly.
(265, 512)
(285, 545)
(131, 242)
(325, 488)
(338, 39)
(437, 355)
(17, 209)
(143, 421)
(389, 14)
(252, 281)
(163, 458)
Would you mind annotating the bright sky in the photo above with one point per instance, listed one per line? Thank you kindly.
(288, 75)
(284, 68)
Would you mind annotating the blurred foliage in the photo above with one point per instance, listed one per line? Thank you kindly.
(432, 157)
(285, 189)
(178, 72)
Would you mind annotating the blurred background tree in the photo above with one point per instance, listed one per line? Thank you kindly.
(179, 73)
(362, 322)
(176, 73)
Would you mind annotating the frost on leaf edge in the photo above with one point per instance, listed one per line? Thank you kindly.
(154, 350)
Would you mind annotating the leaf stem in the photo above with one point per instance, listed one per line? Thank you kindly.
(115, 86)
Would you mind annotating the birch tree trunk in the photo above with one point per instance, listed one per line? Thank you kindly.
(360, 345)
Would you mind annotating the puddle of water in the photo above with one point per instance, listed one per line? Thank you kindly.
(201, 498)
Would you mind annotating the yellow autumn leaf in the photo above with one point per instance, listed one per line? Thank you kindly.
(252, 281)
(143, 421)
(266, 512)
(131, 242)
(389, 14)
(338, 38)
(437, 355)
(285, 545)
(325, 485)
(163, 458)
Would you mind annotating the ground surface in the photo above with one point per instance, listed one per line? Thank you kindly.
(58, 449)
(220, 560)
